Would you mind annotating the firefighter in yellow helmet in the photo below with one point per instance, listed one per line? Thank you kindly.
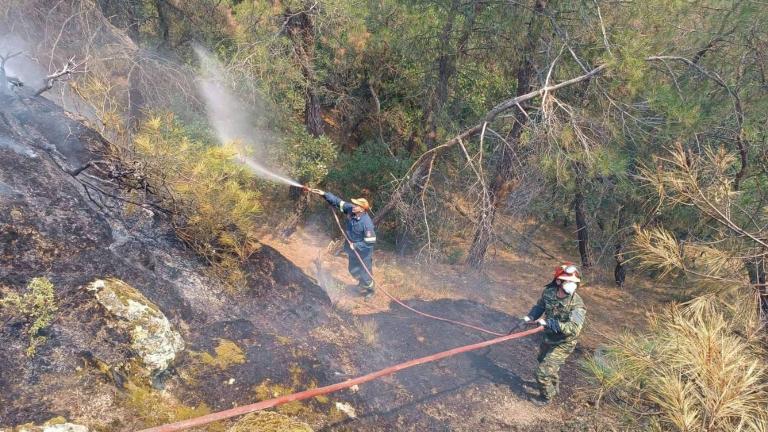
(361, 234)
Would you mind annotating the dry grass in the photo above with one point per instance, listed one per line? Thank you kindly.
(38, 306)
(368, 329)
(698, 368)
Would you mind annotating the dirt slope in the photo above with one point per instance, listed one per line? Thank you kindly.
(488, 389)
(285, 333)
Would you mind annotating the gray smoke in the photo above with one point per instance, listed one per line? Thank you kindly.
(21, 67)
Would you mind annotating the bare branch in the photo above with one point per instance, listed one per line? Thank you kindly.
(416, 170)
(4, 58)
(62, 74)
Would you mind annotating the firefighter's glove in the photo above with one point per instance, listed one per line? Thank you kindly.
(542, 322)
(351, 246)
(553, 325)
(528, 321)
(317, 191)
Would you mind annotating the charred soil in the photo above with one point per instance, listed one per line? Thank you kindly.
(296, 326)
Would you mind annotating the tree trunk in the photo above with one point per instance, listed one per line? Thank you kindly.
(301, 30)
(503, 180)
(446, 61)
(313, 119)
(620, 271)
(756, 269)
(446, 70)
(162, 23)
(582, 232)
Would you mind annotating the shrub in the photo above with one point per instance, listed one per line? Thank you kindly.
(38, 306)
(369, 172)
(309, 157)
(212, 199)
(697, 368)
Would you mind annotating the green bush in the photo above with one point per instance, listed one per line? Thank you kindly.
(38, 306)
(212, 198)
(309, 158)
(369, 172)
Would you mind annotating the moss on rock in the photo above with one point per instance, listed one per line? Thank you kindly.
(152, 336)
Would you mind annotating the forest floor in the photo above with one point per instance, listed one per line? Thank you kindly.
(496, 393)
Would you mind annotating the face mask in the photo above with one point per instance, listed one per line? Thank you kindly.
(569, 287)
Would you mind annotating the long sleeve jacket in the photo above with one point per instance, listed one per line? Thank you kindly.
(359, 228)
(565, 316)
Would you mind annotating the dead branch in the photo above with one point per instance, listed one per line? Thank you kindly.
(62, 74)
(4, 58)
(737, 107)
(418, 168)
(5, 79)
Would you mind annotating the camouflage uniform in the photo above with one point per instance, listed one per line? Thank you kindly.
(565, 318)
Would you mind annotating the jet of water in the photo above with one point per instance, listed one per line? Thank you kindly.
(232, 119)
(263, 172)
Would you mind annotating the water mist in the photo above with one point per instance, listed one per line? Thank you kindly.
(233, 120)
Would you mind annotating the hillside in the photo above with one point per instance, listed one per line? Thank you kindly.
(282, 333)
(165, 251)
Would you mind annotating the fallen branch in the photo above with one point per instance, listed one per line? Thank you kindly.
(417, 169)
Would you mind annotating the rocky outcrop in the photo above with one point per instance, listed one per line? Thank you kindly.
(130, 296)
(53, 425)
(152, 336)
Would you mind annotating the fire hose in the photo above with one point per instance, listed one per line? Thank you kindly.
(270, 403)
(306, 394)
(400, 302)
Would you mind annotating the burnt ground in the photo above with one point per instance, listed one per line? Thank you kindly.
(293, 333)
(50, 225)
(488, 389)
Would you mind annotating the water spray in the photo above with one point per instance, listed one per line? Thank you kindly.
(233, 120)
(265, 173)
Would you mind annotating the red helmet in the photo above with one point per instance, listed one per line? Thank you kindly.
(567, 272)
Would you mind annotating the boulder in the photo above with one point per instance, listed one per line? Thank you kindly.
(57, 424)
(152, 335)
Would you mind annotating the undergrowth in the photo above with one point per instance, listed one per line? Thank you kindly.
(700, 367)
(37, 306)
(212, 199)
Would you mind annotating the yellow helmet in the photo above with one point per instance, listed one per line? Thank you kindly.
(362, 202)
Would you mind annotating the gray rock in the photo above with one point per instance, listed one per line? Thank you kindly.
(53, 425)
(152, 335)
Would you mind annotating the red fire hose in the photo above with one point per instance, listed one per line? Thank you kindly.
(400, 302)
(245, 409)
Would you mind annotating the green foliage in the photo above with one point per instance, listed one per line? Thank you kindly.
(212, 197)
(38, 306)
(309, 157)
(368, 171)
